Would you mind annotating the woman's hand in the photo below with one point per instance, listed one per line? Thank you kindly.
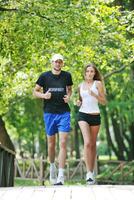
(93, 94)
(78, 103)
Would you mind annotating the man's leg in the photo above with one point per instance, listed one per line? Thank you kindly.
(51, 148)
(63, 149)
(62, 156)
(51, 155)
(64, 128)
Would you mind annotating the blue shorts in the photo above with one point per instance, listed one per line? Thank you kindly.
(55, 123)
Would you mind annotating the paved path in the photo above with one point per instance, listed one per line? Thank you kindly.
(94, 192)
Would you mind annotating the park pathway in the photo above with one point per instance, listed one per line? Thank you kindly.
(94, 192)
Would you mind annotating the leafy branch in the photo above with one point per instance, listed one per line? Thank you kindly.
(16, 10)
(114, 72)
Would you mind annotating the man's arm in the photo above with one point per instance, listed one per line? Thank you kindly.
(69, 91)
(68, 95)
(39, 94)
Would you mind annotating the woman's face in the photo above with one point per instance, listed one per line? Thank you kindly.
(89, 74)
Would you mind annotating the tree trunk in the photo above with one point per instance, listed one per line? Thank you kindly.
(119, 138)
(131, 128)
(32, 145)
(132, 5)
(4, 137)
(109, 139)
(76, 139)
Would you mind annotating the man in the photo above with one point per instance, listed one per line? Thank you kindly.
(56, 94)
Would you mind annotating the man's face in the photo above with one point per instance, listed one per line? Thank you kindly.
(57, 65)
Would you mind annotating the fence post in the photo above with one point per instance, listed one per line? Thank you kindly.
(41, 170)
(96, 165)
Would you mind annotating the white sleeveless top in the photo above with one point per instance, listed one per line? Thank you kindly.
(89, 102)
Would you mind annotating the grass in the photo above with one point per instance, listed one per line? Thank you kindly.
(28, 182)
(105, 157)
(24, 182)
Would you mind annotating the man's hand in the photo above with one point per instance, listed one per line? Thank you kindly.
(47, 95)
(66, 98)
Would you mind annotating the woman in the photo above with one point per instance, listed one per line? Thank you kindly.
(91, 92)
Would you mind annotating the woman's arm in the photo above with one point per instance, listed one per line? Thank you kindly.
(79, 101)
(101, 97)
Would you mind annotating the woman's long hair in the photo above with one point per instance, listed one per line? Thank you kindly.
(97, 75)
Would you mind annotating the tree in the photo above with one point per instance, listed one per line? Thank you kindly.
(83, 31)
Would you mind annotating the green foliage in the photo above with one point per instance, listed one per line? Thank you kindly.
(124, 175)
(102, 149)
(24, 182)
(83, 31)
(29, 127)
(28, 182)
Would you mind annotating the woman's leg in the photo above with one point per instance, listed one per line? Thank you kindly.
(89, 135)
(93, 138)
